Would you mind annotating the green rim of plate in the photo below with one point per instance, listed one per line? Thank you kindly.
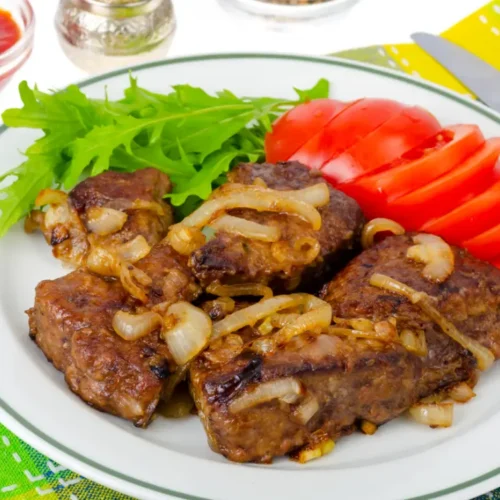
(332, 61)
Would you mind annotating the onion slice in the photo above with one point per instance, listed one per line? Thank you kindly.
(435, 253)
(133, 250)
(104, 220)
(185, 240)
(250, 315)
(484, 356)
(246, 228)
(379, 225)
(433, 414)
(135, 326)
(261, 201)
(461, 393)
(317, 195)
(186, 331)
(361, 324)
(306, 410)
(51, 197)
(265, 392)
(414, 341)
(316, 319)
(256, 289)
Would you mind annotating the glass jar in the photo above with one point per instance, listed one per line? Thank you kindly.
(100, 35)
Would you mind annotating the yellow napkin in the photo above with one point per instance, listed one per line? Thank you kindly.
(479, 33)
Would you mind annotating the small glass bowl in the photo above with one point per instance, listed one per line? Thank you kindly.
(291, 13)
(12, 59)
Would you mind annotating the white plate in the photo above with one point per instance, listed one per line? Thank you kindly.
(171, 458)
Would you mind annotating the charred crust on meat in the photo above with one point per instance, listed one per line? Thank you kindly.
(225, 388)
(162, 371)
(59, 234)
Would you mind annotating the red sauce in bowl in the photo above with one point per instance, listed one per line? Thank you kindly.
(10, 32)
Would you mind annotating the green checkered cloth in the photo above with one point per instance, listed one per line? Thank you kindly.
(25, 474)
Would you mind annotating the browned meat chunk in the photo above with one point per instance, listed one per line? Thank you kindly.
(67, 225)
(71, 322)
(172, 280)
(351, 379)
(231, 258)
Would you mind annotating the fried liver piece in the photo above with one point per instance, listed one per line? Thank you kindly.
(230, 258)
(139, 194)
(71, 322)
(351, 379)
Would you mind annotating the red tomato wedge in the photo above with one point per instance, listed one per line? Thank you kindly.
(387, 143)
(350, 126)
(297, 126)
(496, 263)
(439, 197)
(469, 219)
(486, 246)
(425, 163)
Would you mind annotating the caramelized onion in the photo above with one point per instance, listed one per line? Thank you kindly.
(317, 195)
(265, 392)
(484, 356)
(435, 253)
(135, 326)
(306, 410)
(104, 221)
(133, 250)
(186, 331)
(461, 393)
(185, 240)
(368, 428)
(246, 228)
(313, 451)
(433, 414)
(262, 201)
(250, 315)
(256, 289)
(414, 341)
(151, 206)
(361, 324)
(368, 335)
(102, 261)
(316, 319)
(280, 320)
(380, 225)
(134, 280)
(51, 197)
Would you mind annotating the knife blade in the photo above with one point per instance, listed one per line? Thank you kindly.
(478, 76)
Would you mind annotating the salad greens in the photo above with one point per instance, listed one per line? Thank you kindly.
(192, 136)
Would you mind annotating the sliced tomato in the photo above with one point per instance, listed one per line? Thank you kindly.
(297, 126)
(486, 246)
(425, 163)
(439, 197)
(469, 219)
(384, 145)
(346, 129)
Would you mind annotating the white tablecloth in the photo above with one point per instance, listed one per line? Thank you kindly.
(205, 27)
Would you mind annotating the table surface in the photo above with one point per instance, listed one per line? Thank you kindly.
(205, 27)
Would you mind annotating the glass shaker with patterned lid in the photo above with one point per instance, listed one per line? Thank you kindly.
(99, 35)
